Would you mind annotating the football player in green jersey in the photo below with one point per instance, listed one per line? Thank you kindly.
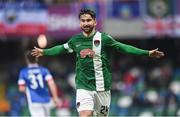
(93, 73)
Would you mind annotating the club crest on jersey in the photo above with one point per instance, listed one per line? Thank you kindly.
(96, 43)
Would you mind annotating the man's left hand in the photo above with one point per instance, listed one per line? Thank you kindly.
(156, 54)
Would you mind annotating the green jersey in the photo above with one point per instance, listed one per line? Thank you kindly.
(93, 71)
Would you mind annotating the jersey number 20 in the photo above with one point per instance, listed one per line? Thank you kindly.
(36, 80)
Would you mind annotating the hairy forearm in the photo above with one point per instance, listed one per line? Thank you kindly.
(54, 50)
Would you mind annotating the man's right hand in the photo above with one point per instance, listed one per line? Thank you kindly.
(37, 52)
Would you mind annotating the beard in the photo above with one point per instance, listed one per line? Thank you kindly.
(87, 29)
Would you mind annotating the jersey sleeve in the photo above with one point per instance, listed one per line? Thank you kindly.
(56, 50)
(48, 75)
(69, 45)
(21, 80)
(110, 42)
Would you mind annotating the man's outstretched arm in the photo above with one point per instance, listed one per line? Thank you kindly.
(137, 51)
(131, 49)
(49, 52)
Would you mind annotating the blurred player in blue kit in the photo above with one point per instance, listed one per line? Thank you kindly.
(38, 84)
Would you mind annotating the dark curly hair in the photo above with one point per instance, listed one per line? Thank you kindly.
(87, 11)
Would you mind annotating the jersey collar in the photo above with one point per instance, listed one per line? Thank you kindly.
(92, 35)
(33, 65)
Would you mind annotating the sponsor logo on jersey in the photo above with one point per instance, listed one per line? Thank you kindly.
(87, 52)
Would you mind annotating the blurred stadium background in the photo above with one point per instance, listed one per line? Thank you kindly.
(141, 86)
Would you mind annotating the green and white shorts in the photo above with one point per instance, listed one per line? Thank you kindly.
(98, 102)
